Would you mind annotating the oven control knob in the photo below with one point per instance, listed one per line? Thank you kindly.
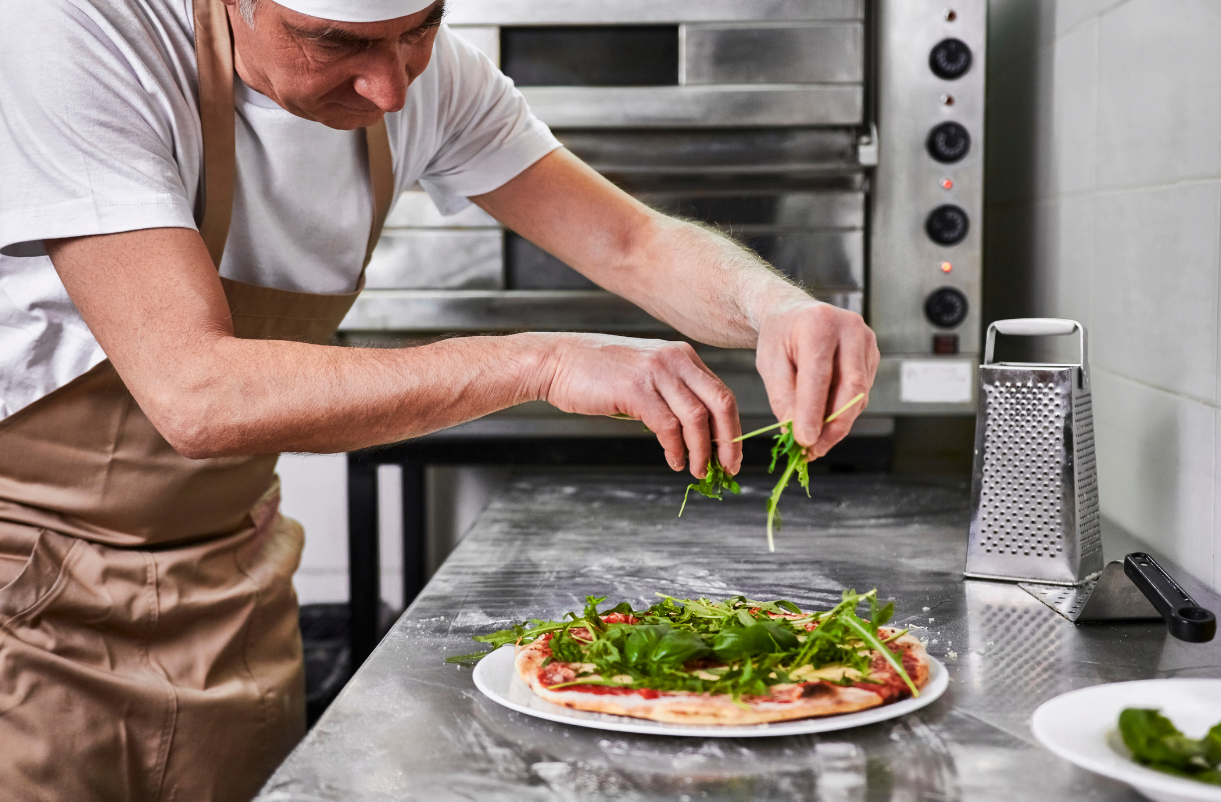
(950, 59)
(946, 307)
(948, 142)
(947, 225)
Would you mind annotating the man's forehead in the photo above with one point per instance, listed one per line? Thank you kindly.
(357, 10)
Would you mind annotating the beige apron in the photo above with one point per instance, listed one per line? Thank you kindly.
(149, 645)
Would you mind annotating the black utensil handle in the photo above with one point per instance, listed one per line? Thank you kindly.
(1185, 619)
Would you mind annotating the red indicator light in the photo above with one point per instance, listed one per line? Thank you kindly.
(946, 267)
(947, 183)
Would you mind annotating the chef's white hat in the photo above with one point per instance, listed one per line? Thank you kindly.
(357, 10)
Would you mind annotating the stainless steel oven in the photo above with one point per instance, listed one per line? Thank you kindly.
(841, 139)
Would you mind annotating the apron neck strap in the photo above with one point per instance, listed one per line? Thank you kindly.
(381, 179)
(214, 55)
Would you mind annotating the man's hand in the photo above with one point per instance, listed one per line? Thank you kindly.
(814, 358)
(663, 384)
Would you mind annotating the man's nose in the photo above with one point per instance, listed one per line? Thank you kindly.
(384, 80)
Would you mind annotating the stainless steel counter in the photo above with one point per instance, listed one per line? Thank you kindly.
(410, 726)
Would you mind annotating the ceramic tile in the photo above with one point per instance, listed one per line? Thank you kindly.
(1156, 467)
(1072, 13)
(1155, 287)
(1062, 280)
(1159, 92)
(1074, 110)
(1075, 260)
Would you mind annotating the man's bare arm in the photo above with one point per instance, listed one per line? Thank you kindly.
(154, 302)
(813, 357)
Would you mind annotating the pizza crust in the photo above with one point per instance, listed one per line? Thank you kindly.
(786, 702)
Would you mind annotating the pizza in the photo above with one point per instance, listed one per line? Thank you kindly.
(730, 663)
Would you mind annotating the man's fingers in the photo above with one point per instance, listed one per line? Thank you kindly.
(839, 428)
(854, 378)
(722, 408)
(779, 376)
(813, 384)
(695, 420)
(657, 415)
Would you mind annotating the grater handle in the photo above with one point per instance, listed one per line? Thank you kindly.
(1034, 327)
(1185, 619)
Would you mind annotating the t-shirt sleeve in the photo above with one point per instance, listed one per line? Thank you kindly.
(486, 132)
(87, 127)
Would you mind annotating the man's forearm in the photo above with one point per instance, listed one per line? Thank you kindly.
(707, 286)
(153, 301)
(255, 396)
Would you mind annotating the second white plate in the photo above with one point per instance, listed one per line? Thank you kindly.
(1081, 726)
(497, 678)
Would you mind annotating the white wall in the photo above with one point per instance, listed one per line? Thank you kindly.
(314, 491)
(1104, 205)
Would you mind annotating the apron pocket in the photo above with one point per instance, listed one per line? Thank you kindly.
(32, 582)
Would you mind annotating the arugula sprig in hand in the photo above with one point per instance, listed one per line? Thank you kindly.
(716, 480)
(714, 484)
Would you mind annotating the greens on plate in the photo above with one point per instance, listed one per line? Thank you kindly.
(738, 646)
(1155, 742)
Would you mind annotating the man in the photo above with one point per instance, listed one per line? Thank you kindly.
(189, 192)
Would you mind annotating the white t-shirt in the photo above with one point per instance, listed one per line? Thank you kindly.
(100, 133)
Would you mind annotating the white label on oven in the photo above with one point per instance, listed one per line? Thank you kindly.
(935, 381)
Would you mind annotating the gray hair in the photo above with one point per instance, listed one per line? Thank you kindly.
(246, 9)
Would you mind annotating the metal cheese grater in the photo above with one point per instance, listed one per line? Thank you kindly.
(1034, 487)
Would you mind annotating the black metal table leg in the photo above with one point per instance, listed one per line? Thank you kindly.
(415, 547)
(364, 586)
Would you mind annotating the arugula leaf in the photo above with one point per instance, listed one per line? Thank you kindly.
(878, 616)
(714, 484)
(591, 613)
(788, 447)
(870, 636)
(567, 648)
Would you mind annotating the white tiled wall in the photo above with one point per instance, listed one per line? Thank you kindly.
(1104, 205)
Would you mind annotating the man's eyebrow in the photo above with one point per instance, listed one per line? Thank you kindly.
(331, 35)
(338, 36)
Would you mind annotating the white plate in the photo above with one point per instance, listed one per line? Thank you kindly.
(1082, 727)
(496, 676)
